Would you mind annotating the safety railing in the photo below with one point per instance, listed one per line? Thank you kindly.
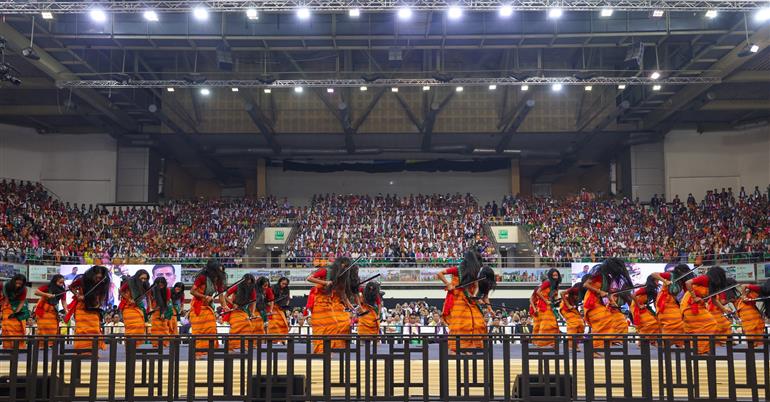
(386, 368)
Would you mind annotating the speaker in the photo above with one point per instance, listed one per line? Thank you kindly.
(553, 385)
(42, 386)
(279, 388)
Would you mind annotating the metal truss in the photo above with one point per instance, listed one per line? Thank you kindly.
(409, 82)
(76, 7)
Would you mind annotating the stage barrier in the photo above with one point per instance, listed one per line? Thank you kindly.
(390, 368)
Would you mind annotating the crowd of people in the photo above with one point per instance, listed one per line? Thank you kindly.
(37, 227)
(723, 225)
(389, 230)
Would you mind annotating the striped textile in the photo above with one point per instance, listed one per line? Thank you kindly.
(369, 323)
(575, 324)
(159, 327)
(698, 320)
(547, 325)
(277, 324)
(204, 323)
(751, 319)
(47, 319)
(598, 317)
(724, 326)
(173, 325)
(648, 323)
(11, 328)
(329, 318)
(670, 317)
(133, 318)
(87, 323)
(240, 325)
(620, 323)
(259, 324)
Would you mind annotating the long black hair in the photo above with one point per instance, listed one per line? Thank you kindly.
(614, 274)
(717, 279)
(554, 283)
(55, 289)
(488, 282)
(160, 293)
(282, 295)
(99, 296)
(470, 266)
(244, 290)
(372, 294)
(344, 281)
(214, 272)
(136, 285)
(10, 290)
(682, 273)
(178, 296)
(261, 299)
(651, 287)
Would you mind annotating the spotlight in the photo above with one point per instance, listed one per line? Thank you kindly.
(268, 90)
(459, 89)
(762, 15)
(98, 15)
(555, 13)
(525, 87)
(151, 16)
(506, 11)
(329, 90)
(455, 12)
(394, 89)
(30, 53)
(426, 88)
(200, 13)
(656, 87)
(363, 89)
(657, 13)
(749, 50)
(303, 13)
(588, 88)
(754, 48)
(47, 15)
(556, 87)
(205, 91)
(606, 12)
(234, 89)
(492, 87)
(655, 75)
(298, 90)
(354, 13)
(404, 13)
(711, 14)
(170, 89)
(252, 14)
(622, 86)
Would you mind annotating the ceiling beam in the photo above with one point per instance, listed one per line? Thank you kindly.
(521, 113)
(430, 120)
(263, 124)
(738, 104)
(748, 76)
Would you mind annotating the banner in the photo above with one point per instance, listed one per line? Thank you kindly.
(638, 271)
(172, 273)
(763, 270)
(42, 273)
(739, 272)
(9, 269)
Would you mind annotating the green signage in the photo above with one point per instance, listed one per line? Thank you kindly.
(279, 235)
(503, 234)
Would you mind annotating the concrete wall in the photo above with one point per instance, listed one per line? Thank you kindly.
(647, 171)
(133, 174)
(697, 162)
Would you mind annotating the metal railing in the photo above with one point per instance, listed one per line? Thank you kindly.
(389, 368)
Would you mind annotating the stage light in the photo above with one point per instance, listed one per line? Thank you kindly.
(30, 53)
(762, 15)
(655, 75)
(754, 48)
(303, 13)
(151, 16)
(749, 50)
(588, 88)
(426, 88)
(606, 12)
(169, 89)
(455, 12)
(363, 89)
(492, 87)
(329, 90)
(657, 13)
(268, 90)
(711, 14)
(656, 87)
(556, 87)
(98, 15)
(622, 86)
(555, 13)
(404, 13)
(205, 91)
(459, 89)
(200, 13)
(354, 13)
(47, 15)
(394, 89)
(234, 89)
(525, 87)
(506, 11)
(252, 14)
(298, 90)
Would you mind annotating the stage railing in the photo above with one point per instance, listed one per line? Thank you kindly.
(390, 368)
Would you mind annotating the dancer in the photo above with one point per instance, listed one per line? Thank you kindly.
(541, 307)
(336, 286)
(162, 311)
(604, 278)
(667, 302)
(15, 312)
(697, 319)
(570, 312)
(134, 301)
(177, 304)
(277, 324)
(47, 308)
(644, 318)
(717, 308)
(91, 291)
(241, 301)
(751, 318)
(209, 283)
(371, 304)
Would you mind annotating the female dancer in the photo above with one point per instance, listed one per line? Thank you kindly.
(15, 312)
(91, 294)
(336, 286)
(277, 324)
(209, 283)
(47, 308)
(162, 311)
(369, 321)
(751, 320)
(644, 318)
(570, 312)
(133, 302)
(608, 276)
(241, 300)
(177, 304)
(667, 302)
(697, 319)
(717, 309)
(541, 307)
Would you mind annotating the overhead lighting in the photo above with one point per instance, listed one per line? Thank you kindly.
(234, 89)
(711, 14)
(170, 89)
(363, 88)
(205, 91)
(268, 90)
(151, 16)
(459, 89)
(303, 13)
(555, 13)
(354, 13)
(588, 88)
(656, 87)
(505, 11)
(655, 75)
(749, 50)
(426, 88)
(525, 87)
(30, 53)
(492, 87)
(200, 13)
(762, 15)
(657, 13)
(622, 86)
(455, 12)
(404, 13)
(47, 15)
(754, 48)
(329, 90)
(252, 14)
(556, 87)
(298, 90)
(606, 12)
(394, 89)
(98, 15)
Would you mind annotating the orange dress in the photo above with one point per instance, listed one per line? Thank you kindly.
(13, 328)
(724, 326)
(697, 319)
(329, 316)
(369, 323)
(46, 315)
(463, 316)
(277, 324)
(545, 320)
(133, 314)
(87, 321)
(575, 324)
(203, 321)
(240, 322)
(159, 319)
(751, 319)
(645, 321)
(597, 315)
(669, 314)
